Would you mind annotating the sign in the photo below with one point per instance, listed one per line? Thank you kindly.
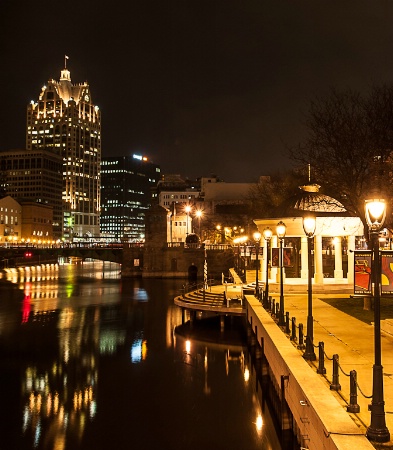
(363, 272)
(287, 253)
(387, 272)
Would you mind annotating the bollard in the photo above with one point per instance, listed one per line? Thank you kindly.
(321, 358)
(273, 306)
(301, 337)
(287, 322)
(277, 309)
(353, 406)
(335, 385)
(293, 335)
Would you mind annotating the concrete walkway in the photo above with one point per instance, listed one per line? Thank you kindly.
(353, 341)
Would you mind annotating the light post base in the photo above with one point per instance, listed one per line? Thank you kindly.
(378, 435)
(377, 431)
(309, 353)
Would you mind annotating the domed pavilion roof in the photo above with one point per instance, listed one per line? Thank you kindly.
(310, 199)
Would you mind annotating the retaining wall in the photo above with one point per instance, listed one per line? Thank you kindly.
(323, 423)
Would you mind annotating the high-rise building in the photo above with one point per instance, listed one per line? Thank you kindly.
(127, 184)
(35, 176)
(65, 121)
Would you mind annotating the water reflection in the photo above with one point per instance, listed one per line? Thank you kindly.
(230, 374)
(91, 361)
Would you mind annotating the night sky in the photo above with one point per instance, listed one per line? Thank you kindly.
(200, 86)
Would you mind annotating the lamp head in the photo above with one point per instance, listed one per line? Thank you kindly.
(309, 225)
(281, 229)
(257, 236)
(267, 233)
(375, 212)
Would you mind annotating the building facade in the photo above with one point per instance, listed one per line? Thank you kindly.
(35, 176)
(65, 121)
(127, 186)
(10, 221)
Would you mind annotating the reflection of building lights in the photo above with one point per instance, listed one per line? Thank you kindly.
(136, 351)
(259, 422)
(188, 346)
(246, 374)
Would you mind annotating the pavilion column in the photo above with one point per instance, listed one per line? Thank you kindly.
(304, 258)
(338, 258)
(318, 264)
(274, 274)
(264, 260)
(351, 259)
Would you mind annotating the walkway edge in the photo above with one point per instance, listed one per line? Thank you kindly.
(322, 421)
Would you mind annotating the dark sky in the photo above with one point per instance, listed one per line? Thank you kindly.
(200, 86)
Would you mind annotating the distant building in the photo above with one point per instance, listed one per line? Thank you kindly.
(10, 221)
(65, 121)
(37, 221)
(174, 190)
(35, 176)
(127, 186)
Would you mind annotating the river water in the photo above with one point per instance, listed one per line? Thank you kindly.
(93, 361)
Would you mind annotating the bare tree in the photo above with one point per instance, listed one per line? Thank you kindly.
(349, 145)
(272, 191)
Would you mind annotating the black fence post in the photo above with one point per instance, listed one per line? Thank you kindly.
(293, 335)
(335, 385)
(287, 322)
(321, 358)
(301, 337)
(353, 406)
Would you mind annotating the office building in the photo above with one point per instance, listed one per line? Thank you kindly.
(127, 187)
(35, 176)
(65, 121)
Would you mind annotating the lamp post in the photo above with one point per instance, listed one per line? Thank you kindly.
(187, 209)
(375, 212)
(281, 229)
(309, 225)
(267, 234)
(257, 238)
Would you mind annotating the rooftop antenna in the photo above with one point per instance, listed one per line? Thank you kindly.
(65, 61)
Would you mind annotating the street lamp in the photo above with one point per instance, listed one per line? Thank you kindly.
(267, 234)
(187, 210)
(281, 229)
(257, 238)
(375, 212)
(309, 225)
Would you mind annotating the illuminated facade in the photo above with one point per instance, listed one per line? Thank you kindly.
(65, 121)
(127, 184)
(35, 176)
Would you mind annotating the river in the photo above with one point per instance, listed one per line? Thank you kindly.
(90, 361)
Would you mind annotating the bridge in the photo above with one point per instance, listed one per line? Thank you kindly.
(27, 256)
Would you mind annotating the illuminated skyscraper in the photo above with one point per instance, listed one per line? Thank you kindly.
(65, 121)
(127, 193)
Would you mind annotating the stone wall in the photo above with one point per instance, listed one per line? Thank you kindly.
(175, 262)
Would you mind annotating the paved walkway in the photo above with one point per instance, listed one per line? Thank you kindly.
(353, 340)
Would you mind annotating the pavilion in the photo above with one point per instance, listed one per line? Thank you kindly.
(336, 233)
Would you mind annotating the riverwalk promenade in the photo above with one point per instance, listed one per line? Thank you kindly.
(345, 326)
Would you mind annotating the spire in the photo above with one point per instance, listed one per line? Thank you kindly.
(65, 74)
